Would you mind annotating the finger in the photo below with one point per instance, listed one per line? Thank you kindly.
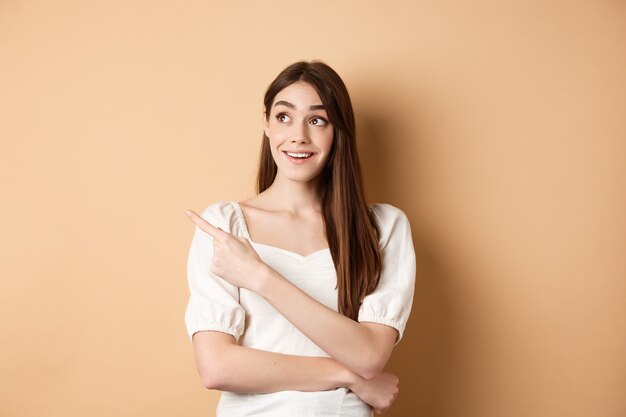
(204, 225)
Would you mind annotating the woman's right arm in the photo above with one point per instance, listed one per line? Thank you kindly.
(215, 319)
(226, 366)
(223, 365)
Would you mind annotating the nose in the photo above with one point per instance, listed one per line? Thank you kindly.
(300, 133)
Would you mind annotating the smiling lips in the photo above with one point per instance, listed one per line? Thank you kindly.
(299, 154)
(298, 157)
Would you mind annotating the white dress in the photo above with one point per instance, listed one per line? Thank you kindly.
(214, 304)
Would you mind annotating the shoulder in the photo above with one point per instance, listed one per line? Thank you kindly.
(386, 213)
(389, 220)
(223, 214)
(384, 207)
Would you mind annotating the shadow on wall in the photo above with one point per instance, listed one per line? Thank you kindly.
(391, 152)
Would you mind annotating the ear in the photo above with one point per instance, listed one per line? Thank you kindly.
(266, 124)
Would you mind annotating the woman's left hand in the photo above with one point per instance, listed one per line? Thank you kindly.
(234, 258)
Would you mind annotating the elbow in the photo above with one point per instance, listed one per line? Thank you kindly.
(210, 383)
(370, 374)
(213, 372)
(212, 353)
(370, 371)
(212, 378)
(208, 380)
(372, 365)
(374, 355)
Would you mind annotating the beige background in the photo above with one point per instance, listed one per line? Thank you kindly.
(497, 126)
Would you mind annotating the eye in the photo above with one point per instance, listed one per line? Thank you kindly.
(282, 117)
(319, 121)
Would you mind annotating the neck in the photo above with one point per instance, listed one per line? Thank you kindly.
(295, 196)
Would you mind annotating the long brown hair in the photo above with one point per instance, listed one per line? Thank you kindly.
(349, 225)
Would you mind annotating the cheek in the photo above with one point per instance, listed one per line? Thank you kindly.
(274, 144)
(275, 138)
(275, 131)
(328, 141)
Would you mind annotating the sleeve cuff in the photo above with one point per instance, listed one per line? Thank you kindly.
(364, 318)
(217, 327)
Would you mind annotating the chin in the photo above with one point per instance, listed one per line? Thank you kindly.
(303, 179)
(308, 177)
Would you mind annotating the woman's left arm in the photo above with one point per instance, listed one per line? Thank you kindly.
(362, 347)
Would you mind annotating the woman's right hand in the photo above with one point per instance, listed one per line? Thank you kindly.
(379, 392)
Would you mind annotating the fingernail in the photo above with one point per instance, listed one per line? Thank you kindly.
(188, 213)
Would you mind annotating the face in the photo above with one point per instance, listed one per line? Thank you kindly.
(300, 134)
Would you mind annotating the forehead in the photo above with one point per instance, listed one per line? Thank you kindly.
(300, 94)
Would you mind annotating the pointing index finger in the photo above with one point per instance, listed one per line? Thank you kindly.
(204, 225)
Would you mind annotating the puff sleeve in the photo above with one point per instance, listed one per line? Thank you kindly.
(390, 303)
(213, 302)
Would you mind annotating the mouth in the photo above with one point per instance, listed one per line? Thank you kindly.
(298, 157)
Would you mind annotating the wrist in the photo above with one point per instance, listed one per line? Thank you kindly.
(340, 375)
(351, 380)
(264, 278)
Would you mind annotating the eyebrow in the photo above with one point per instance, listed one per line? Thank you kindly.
(291, 106)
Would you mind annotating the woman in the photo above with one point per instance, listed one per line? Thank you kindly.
(300, 293)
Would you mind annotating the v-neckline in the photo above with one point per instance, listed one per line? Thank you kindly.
(244, 226)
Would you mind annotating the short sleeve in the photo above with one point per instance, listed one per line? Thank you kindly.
(213, 302)
(390, 303)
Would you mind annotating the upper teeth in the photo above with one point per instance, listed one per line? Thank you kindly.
(298, 155)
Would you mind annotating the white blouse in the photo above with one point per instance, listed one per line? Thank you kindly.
(214, 304)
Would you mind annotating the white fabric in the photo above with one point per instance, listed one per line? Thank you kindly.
(214, 304)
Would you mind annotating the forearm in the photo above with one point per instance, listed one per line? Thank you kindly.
(241, 369)
(349, 342)
(226, 366)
